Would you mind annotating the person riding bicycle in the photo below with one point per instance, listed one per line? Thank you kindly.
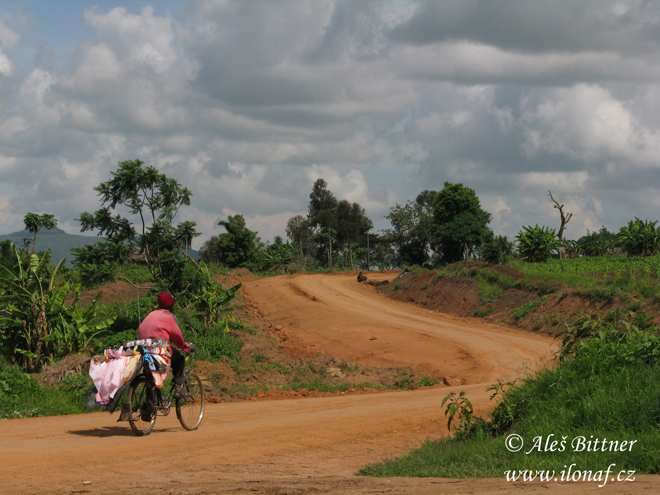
(162, 324)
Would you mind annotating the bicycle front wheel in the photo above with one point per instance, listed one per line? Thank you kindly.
(190, 409)
(141, 400)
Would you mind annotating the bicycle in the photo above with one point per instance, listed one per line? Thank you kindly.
(144, 401)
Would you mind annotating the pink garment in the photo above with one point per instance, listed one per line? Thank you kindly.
(161, 324)
(107, 377)
(159, 376)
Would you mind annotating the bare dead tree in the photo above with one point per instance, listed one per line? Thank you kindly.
(565, 218)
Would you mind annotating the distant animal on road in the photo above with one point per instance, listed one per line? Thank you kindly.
(361, 278)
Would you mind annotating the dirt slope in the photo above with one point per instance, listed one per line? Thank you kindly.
(292, 446)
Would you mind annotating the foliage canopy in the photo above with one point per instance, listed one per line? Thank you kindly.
(459, 222)
(155, 199)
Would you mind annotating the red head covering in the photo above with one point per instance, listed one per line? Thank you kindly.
(165, 300)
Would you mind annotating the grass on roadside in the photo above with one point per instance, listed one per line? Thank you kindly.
(21, 396)
(608, 390)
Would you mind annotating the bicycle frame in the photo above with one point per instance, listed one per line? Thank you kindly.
(163, 405)
(145, 401)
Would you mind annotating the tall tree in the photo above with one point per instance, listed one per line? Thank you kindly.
(411, 229)
(382, 252)
(339, 226)
(238, 247)
(352, 225)
(155, 200)
(459, 222)
(299, 231)
(322, 216)
(34, 223)
(185, 232)
(321, 201)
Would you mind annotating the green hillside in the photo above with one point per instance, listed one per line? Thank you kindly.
(58, 241)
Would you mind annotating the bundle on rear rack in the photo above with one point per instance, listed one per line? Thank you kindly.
(115, 369)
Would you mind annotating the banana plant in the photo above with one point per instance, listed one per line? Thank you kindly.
(640, 238)
(36, 325)
(76, 332)
(537, 243)
(211, 298)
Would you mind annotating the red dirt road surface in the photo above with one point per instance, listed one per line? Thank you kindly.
(296, 446)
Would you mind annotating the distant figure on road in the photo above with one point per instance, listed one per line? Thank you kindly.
(361, 278)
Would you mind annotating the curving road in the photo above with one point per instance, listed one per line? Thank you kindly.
(290, 446)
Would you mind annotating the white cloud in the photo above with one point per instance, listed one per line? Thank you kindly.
(352, 186)
(145, 40)
(584, 122)
(247, 103)
(9, 38)
(96, 71)
(572, 182)
(6, 65)
(503, 217)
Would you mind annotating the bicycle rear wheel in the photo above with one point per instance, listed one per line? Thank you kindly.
(141, 400)
(190, 410)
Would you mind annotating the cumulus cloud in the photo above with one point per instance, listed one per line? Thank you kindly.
(247, 103)
(584, 122)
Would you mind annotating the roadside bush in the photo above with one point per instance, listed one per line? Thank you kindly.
(537, 244)
(23, 397)
(218, 345)
(496, 249)
(213, 341)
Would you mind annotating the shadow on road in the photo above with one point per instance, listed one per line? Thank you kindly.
(113, 431)
(106, 431)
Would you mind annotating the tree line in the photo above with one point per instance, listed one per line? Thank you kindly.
(438, 227)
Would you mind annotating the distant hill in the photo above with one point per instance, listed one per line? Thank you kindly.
(60, 243)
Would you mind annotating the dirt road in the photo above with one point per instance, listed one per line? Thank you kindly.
(293, 446)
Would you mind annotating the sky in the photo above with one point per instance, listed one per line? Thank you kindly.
(247, 103)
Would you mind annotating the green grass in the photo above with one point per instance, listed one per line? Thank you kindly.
(607, 391)
(136, 274)
(588, 271)
(259, 362)
(488, 292)
(23, 397)
(522, 311)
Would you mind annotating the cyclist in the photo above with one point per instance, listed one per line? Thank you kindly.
(162, 324)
